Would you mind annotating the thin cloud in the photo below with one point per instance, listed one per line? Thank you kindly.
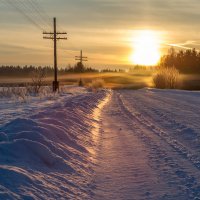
(92, 22)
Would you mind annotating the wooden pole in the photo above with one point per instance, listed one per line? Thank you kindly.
(55, 36)
(55, 83)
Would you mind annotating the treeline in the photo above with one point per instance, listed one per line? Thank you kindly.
(78, 68)
(187, 61)
(22, 71)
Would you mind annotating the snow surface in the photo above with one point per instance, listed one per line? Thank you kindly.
(149, 146)
(47, 146)
(124, 145)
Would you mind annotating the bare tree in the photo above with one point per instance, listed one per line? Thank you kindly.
(38, 78)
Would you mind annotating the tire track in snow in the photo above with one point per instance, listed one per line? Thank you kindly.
(147, 132)
(168, 108)
(179, 147)
(126, 137)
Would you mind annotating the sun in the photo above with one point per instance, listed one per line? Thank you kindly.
(146, 48)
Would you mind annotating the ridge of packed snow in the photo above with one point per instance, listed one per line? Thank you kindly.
(47, 154)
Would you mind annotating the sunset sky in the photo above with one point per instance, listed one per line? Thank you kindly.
(104, 29)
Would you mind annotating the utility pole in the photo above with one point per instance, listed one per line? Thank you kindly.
(55, 36)
(81, 58)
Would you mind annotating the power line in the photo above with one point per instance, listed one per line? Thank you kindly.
(30, 8)
(43, 15)
(20, 10)
(29, 11)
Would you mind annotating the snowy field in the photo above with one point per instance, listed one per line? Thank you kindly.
(124, 145)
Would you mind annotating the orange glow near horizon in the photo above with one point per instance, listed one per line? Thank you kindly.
(146, 48)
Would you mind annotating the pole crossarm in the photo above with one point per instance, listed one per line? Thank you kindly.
(50, 38)
(57, 38)
(61, 38)
(78, 59)
(57, 33)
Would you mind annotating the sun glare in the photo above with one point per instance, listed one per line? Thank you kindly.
(146, 48)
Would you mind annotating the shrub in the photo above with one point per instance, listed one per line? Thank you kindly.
(5, 92)
(166, 78)
(38, 78)
(23, 94)
(97, 84)
(17, 93)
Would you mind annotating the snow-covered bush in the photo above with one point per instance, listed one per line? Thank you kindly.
(20, 93)
(166, 78)
(24, 94)
(16, 93)
(5, 92)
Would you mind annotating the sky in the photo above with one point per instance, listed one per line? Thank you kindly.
(103, 29)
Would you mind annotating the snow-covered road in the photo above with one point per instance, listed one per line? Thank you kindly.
(149, 146)
(123, 145)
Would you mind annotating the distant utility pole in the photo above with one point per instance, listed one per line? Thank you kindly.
(81, 58)
(55, 36)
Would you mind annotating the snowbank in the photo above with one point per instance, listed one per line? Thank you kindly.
(47, 152)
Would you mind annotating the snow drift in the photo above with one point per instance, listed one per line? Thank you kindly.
(49, 154)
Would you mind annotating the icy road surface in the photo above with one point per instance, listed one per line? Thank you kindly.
(123, 145)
